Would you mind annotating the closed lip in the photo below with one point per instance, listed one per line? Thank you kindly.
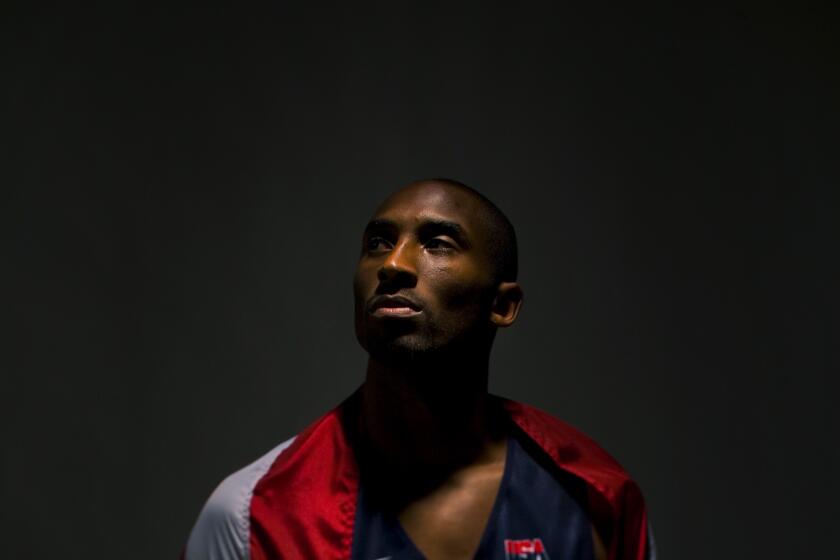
(393, 301)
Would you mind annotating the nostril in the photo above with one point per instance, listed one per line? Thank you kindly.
(395, 278)
(388, 268)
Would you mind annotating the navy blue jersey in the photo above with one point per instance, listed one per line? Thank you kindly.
(534, 517)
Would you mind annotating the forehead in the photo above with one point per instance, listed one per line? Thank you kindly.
(420, 202)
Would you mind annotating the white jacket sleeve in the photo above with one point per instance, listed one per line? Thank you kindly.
(222, 530)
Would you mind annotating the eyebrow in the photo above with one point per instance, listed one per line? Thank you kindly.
(428, 227)
(378, 225)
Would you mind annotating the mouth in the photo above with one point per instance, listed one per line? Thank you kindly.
(394, 306)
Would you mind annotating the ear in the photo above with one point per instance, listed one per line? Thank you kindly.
(507, 304)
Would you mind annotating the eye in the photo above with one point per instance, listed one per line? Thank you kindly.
(375, 244)
(440, 245)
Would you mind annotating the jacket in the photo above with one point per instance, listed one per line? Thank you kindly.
(299, 500)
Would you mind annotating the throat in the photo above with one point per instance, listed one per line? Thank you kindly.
(433, 431)
(410, 443)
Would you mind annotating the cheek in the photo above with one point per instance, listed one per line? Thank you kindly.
(357, 288)
(361, 291)
(362, 281)
(458, 292)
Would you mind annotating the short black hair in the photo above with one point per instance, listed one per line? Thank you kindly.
(503, 246)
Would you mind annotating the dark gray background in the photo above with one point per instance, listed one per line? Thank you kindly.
(184, 193)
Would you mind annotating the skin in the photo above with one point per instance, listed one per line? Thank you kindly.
(426, 421)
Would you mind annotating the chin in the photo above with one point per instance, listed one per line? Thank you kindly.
(403, 348)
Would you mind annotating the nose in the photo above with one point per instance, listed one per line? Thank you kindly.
(399, 266)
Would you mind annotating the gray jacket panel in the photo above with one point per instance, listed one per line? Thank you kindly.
(221, 531)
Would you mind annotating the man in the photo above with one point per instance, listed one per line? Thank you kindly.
(421, 461)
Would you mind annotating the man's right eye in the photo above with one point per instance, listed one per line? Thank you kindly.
(376, 244)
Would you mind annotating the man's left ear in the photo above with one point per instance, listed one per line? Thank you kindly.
(507, 304)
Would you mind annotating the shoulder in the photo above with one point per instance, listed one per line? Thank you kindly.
(568, 447)
(615, 502)
(221, 531)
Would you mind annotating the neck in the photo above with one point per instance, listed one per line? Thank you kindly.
(428, 417)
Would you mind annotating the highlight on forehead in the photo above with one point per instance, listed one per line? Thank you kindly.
(431, 190)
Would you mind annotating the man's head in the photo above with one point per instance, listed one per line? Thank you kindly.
(437, 273)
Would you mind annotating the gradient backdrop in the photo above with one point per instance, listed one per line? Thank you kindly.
(184, 190)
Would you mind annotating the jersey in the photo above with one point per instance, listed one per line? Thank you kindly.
(304, 500)
(534, 515)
